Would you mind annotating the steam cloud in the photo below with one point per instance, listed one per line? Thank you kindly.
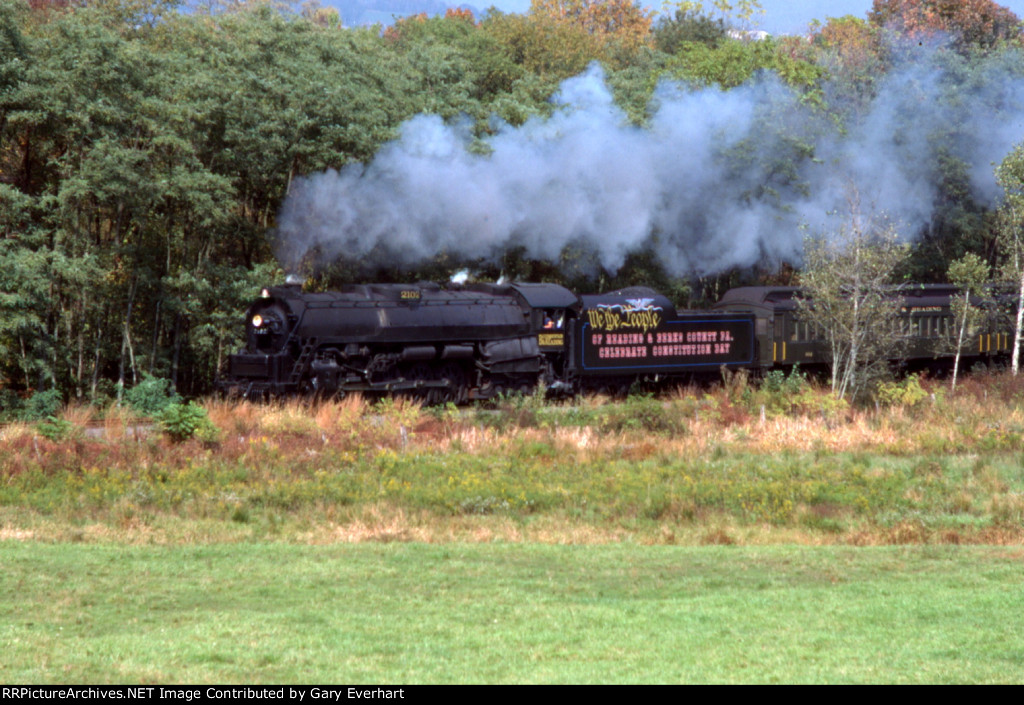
(705, 183)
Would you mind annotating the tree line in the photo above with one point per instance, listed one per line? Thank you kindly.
(145, 150)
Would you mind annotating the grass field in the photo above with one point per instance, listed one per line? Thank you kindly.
(510, 613)
(741, 534)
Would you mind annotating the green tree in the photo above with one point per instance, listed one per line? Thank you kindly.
(853, 54)
(742, 12)
(733, 62)
(687, 26)
(850, 294)
(549, 50)
(1010, 228)
(970, 274)
(116, 191)
(77, 123)
(461, 67)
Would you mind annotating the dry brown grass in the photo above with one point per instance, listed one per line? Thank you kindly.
(120, 422)
(383, 523)
(296, 434)
(291, 417)
(10, 533)
(13, 432)
(79, 415)
(345, 414)
(234, 418)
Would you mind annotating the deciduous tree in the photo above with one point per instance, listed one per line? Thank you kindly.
(672, 32)
(974, 23)
(729, 11)
(549, 50)
(626, 22)
(970, 273)
(1010, 219)
(852, 52)
(850, 294)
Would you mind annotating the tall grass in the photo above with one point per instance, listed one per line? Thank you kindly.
(742, 463)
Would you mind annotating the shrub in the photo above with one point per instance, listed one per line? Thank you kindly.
(782, 393)
(54, 429)
(641, 413)
(778, 382)
(906, 392)
(183, 421)
(151, 396)
(42, 405)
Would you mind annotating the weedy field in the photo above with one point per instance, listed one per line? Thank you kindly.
(747, 533)
(782, 462)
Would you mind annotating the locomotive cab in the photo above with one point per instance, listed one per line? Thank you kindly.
(553, 313)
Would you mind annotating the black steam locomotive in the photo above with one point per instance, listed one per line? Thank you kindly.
(481, 340)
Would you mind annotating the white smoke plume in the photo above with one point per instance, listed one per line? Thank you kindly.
(708, 183)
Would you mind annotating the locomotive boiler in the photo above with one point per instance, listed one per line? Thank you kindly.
(437, 344)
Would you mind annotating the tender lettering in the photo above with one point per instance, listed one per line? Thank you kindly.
(611, 319)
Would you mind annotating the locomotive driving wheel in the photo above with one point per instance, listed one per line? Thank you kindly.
(458, 388)
(420, 372)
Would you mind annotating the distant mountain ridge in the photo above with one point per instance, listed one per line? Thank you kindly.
(364, 12)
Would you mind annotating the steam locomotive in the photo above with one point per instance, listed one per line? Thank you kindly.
(478, 341)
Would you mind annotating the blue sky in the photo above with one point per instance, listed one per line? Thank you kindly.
(781, 16)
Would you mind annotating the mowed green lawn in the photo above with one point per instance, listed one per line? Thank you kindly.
(509, 613)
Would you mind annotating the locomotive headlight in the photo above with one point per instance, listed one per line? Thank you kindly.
(265, 293)
(257, 321)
